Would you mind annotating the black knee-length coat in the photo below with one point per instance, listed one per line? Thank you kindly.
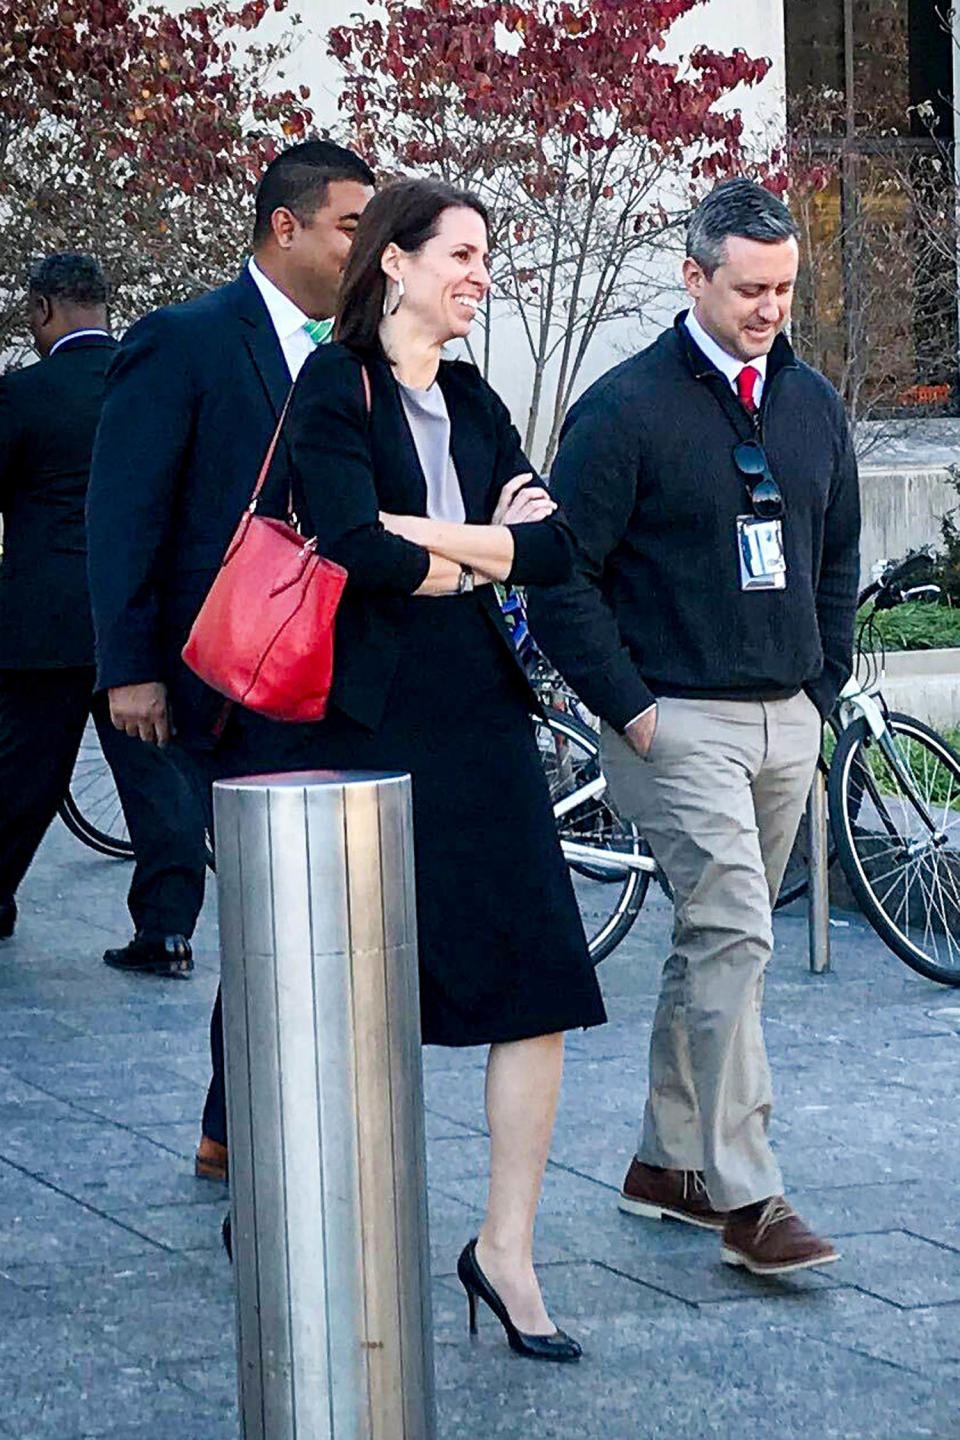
(432, 685)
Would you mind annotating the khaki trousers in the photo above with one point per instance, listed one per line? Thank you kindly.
(719, 798)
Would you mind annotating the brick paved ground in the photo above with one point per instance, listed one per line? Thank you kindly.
(116, 1309)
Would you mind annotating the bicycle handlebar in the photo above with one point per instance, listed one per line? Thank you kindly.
(911, 566)
(893, 578)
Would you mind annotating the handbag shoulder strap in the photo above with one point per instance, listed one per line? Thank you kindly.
(268, 458)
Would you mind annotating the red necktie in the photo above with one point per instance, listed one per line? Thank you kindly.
(746, 384)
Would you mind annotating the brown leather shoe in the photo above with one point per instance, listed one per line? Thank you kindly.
(211, 1161)
(774, 1242)
(668, 1195)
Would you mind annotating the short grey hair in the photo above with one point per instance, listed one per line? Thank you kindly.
(736, 207)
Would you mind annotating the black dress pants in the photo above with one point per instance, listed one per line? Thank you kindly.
(166, 823)
(248, 745)
(42, 717)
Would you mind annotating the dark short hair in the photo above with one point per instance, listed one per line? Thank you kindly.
(299, 178)
(736, 207)
(78, 279)
(407, 214)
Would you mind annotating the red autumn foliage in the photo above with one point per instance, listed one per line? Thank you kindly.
(137, 134)
(586, 141)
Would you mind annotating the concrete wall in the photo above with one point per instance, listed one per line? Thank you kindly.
(902, 509)
(924, 683)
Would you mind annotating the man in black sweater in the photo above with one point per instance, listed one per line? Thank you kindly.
(712, 486)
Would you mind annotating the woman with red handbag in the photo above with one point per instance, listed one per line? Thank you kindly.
(411, 476)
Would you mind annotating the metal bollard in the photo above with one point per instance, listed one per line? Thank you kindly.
(325, 1106)
(818, 861)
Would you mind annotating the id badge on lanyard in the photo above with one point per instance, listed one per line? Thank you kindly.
(763, 565)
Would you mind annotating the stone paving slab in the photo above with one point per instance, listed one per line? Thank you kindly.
(116, 1301)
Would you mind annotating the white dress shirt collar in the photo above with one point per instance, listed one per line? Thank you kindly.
(727, 364)
(76, 335)
(287, 319)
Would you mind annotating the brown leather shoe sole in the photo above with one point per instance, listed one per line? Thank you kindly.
(648, 1211)
(211, 1161)
(775, 1267)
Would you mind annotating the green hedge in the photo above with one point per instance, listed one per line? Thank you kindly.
(915, 626)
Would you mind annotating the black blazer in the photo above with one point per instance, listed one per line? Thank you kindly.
(350, 463)
(48, 418)
(193, 397)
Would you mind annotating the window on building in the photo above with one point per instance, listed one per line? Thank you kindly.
(871, 112)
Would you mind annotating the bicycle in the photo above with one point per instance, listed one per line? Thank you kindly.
(91, 808)
(609, 861)
(893, 792)
(610, 864)
(795, 880)
(894, 804)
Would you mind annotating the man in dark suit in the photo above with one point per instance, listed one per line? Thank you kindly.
(48, 418)
(193, 397)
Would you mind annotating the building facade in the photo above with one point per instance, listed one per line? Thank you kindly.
(868, 87)
(754, 25)
(871, 94)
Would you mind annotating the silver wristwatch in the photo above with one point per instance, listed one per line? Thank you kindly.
(466, 581)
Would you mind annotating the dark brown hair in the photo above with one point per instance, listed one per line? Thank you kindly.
(406, 214)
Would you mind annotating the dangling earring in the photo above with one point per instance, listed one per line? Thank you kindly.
(399, 296)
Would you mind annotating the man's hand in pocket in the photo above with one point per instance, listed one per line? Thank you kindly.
(640, 732)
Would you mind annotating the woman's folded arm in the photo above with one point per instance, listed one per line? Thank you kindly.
(327, 434)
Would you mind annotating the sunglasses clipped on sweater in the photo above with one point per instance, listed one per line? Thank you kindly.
(751, 460)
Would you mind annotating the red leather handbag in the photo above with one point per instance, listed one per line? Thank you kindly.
(264, 634)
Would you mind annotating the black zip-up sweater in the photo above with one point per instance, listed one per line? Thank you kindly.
(646, 478)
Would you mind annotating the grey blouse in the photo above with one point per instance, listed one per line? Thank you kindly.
(426, 413)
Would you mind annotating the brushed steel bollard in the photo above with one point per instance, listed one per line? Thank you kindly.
(325, 1106)
(818, 868)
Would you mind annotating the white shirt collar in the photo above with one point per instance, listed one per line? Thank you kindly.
(287, 317)
(728, 365)
(75, 335)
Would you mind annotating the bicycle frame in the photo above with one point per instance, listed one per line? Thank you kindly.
(614, 860)
(593, 854)
(854, 703)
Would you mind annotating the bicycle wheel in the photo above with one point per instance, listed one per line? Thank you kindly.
(91, 809)
(570, 753)
(900, 851)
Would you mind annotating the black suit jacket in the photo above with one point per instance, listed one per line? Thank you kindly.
(349, 463)
(48, 418)
(193, 397)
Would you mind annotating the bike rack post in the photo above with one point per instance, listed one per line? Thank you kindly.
(325, 1106)
(818, 888)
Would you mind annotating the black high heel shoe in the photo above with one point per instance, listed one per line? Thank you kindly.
(558, 1346)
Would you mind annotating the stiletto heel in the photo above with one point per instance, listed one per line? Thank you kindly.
(558, 1346)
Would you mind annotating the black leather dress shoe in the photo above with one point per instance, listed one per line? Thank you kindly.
(8, 918)
(170, 956)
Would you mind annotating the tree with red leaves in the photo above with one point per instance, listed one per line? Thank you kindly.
(137, 135)
(588, 145)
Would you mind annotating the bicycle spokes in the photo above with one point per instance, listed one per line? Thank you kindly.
(896, 805)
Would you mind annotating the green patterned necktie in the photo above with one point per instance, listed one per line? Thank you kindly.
(319, 330)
